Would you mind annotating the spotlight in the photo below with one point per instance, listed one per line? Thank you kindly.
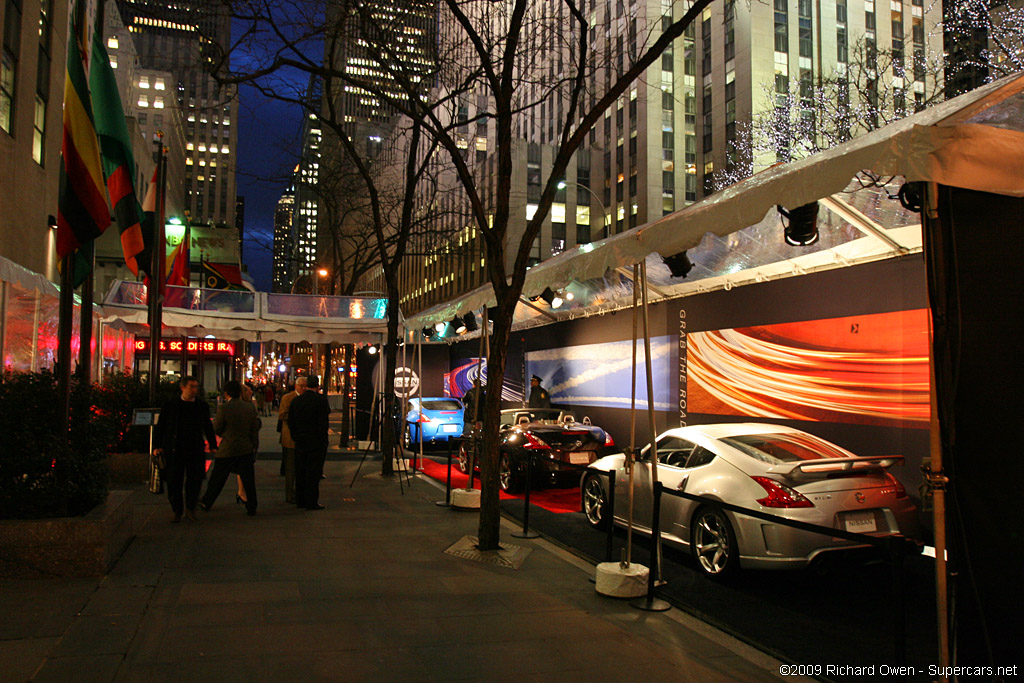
(459, 325)
(569, 296)
(439, 326)
(372, 350)
(678, 264)
(470, 321)
(802, 229)
(553, 299)
(428, 332)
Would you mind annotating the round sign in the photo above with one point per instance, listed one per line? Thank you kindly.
(407, 382)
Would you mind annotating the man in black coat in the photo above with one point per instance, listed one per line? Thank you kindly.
(178, 437)
(308, 418)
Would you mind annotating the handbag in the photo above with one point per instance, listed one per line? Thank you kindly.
(159, 460)
(156, 478)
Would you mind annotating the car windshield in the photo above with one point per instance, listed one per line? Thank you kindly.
(442, 405)
(788, 447)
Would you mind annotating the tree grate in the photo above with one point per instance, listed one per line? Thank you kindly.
(510, 556)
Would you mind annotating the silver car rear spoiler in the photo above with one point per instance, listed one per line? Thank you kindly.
(810, 469)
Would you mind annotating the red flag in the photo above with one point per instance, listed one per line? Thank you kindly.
(180, 274)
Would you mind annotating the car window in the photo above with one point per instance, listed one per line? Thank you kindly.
(442, 405)
(787, 447)
(700, 456)
(673, 451)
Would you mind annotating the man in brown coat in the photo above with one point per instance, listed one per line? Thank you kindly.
(287, 442)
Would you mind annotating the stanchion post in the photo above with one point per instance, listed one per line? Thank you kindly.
(447, 502)
(899, 607)
(526, 533)
(610, 514)
(651, 602)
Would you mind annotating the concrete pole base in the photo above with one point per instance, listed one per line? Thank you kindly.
(616, 581)
(466, 499)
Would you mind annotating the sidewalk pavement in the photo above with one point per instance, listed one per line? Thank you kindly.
(360, 591)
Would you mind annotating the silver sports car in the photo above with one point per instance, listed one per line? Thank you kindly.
(770, 468)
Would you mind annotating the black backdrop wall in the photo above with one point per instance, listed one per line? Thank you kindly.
(880, 287)
(974, 253)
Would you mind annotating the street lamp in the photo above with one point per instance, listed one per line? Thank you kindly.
(322, 273)
(604, 211)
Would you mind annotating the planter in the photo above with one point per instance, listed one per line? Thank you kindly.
(128, 468)
(67, 546)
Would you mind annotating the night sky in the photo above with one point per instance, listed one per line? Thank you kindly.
(268, 149)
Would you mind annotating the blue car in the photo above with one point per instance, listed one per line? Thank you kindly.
(437, 418)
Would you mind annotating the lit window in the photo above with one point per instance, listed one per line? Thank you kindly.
(202, 147)
(113, 61)
(144, 81)
(143, 101)
(158, 102)
(160, 84)
(224, 149)
(189, 146)
(188, 161)
(112, 42)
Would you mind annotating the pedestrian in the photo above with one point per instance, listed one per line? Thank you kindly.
(287, 442)
(239, 426)
(473, 400)
(308, 418)
(260, 400)
(268, 398)
(179, 433)
(539, 397)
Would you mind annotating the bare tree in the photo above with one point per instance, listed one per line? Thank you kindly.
(515, 59)
(807, 117)
(1001, 23)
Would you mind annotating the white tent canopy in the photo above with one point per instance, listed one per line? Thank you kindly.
(253, 316)
(975, 141)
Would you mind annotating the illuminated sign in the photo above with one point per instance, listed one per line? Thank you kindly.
(207, 346)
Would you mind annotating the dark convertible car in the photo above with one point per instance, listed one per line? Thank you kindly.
(560, 447)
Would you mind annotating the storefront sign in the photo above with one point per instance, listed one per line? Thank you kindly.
(210, 347)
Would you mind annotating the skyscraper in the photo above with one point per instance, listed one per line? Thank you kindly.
(179, 37)
(283, 269)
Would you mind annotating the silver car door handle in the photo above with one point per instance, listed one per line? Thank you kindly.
(682, 482)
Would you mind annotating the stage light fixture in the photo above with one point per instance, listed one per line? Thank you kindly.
(459, 325)
(428, 332)
(679, 265)
(372, 350)
(439, 326)
(470, 322)
(569, 296)
(802, 229)
(550, 297)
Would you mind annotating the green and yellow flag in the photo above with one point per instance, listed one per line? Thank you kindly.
(82, 212)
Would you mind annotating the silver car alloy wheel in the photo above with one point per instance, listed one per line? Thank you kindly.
(505, 473)
(593, 500)
(712, 541)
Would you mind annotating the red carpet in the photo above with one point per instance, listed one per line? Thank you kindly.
(555, 500)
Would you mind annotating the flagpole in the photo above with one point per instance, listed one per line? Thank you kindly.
(65, 315)
(153, 293)
(85, 323)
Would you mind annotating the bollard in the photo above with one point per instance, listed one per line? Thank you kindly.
(526, 533)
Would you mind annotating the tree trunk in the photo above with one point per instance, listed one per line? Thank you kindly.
(388, 440)
(490, 513)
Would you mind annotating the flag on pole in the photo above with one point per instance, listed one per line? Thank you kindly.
(221, 276)
(149, 230)
(116, 153)
(179, 273)
(82, 212)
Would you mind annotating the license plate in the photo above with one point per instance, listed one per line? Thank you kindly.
(450, 429)
(579, 458)
(860, 522)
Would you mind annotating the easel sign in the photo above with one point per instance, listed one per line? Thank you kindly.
(145, 417)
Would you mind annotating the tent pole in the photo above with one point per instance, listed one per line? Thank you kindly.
(419, 354)
(631, 460)
(650, 412)
(936, 477)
